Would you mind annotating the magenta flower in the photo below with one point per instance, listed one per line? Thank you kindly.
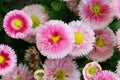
(96, 13)
(7, 59)
(17, 24)
(55, 39)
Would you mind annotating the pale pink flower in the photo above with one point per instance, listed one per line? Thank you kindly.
(104, 45)
(73, 5)
(90, 70)
(20, 72)
(17, 24)
(118, 69)
(61, 69)
(105, 75)
(115, 4)
(55, 39)
(38, 16)
(39, 74)
(84, 38)
(96, 13)
(118, 38)
(7, 59)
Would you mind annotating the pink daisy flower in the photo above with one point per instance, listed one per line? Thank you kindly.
(73, 5)
(118, 69)
(84, 38)
(19, 73)
(17, 24)
(104, 45)
(7, 59)
(96, 13)
(105, 75)
(61, 69)
(115, 4)
(118, 38)
(90, 70)
(38, 16)
(55, 39)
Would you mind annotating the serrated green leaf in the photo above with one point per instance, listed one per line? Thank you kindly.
(115, 25)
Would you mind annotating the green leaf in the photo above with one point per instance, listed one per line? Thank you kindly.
(115, 25)
(57, 5)
(111, 63)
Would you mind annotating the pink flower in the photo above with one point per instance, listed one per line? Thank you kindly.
(96, 13)
(115, 4)
(38, 16)
(104, 45)
(19, 73)
(17, 24)
(118, 38)
(7, 59)
(61, 69)
(84, 38)
(105, 75)
(73, 5)
(90, 70)
(118, 69)
(55, 39)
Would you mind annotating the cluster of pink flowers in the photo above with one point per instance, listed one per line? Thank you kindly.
(62, 42)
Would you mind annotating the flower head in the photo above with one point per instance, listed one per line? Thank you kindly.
(32, 55)
(84, 38)
(96, 13)
(118, 69)
(38, 16)
(90, 70)
(7, 59)
(73, 5)
(115, 4)
(55, 39)
(118, 38)
(17, 24)
(104, 45)
(61, 69)
(39, 74)
(105, 75)
(20, 72)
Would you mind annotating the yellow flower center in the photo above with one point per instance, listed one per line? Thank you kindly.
(35, 21)
(60, 75)
(92, 70)
(2, 59)
(55, 38)
(96, 9)
(17, 23)
(100, 42)
(18, 78)
(40, 74)
(78, 38)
